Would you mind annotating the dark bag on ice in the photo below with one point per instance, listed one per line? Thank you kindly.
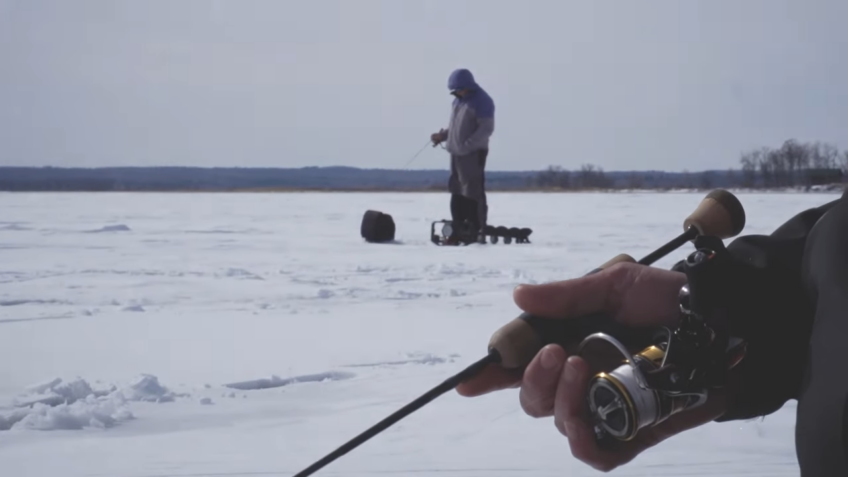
(377, 227)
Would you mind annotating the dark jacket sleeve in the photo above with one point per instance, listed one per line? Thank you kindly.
(769, 307)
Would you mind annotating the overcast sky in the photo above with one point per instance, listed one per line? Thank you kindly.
(625, 85)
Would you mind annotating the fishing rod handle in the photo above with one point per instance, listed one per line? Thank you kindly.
(518, 342)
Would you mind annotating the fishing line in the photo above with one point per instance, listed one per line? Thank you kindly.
(419, 153)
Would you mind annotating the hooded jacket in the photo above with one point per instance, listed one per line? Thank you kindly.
(472, 119)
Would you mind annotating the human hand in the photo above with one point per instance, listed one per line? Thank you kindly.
(438, 137)
(555, 384)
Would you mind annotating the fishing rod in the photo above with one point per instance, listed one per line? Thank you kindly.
(416, 154)
(719, 215)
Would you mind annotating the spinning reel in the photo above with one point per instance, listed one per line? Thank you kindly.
(675, 373)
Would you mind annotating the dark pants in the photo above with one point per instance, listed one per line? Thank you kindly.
(463, 208)
(467, 185)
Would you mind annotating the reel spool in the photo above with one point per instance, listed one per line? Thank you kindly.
(622, 403)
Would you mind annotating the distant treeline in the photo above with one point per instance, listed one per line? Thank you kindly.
(236, 179)
(791, 165)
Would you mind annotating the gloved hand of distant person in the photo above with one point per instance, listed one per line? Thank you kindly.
(438, 137)
(555, 384)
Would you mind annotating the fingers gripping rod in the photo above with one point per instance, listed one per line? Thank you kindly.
(513, 346)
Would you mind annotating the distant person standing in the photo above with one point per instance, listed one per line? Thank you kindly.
(472, 122)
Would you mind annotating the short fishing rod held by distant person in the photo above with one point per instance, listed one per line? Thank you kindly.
(416, 154)
(719, 215)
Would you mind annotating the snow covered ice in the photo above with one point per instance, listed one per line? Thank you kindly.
(249, 334)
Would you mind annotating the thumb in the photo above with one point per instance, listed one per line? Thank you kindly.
(599, 292)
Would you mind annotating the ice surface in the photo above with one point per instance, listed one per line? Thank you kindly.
(111, 228)
(250, 334)
(278, 382)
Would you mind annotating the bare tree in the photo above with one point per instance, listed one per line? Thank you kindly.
(562, 178)
(591, 176)
(781, 161)
(553, 176)
(686, 181)
(830, 156)
(635, 181)
(706, 180)
(750, 161)
(793, 157)
(585, 175)
(766, 165)
(794, 163)
(814, 151)
(731, 177)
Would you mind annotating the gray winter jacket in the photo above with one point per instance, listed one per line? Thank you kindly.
(472, 119)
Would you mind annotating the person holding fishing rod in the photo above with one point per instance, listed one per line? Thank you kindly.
(472, 123)
(792, 299)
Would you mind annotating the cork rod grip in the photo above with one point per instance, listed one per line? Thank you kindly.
(517, 342)
(719, 214)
